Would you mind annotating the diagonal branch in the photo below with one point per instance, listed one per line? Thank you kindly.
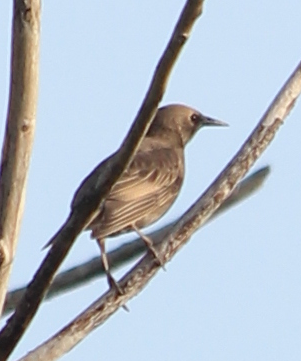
(97, 185)
(180, 233)
(19, 132)
(84, 273)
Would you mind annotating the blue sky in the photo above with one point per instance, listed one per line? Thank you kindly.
(233, 293)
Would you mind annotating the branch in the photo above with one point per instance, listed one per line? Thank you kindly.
(195, 217)
(84, 273)
(19, 132)
(97, 185)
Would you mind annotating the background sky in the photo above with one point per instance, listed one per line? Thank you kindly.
(234, 292)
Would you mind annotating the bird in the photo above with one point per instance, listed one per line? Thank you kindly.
(151, 182)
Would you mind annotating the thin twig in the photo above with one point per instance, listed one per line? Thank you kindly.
(84, 273)
(19, 132)
(97, 185)
(196, 216)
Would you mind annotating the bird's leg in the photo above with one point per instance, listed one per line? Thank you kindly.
(149, 244)
(105, 263)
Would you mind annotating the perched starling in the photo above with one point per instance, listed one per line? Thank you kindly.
(152, 181)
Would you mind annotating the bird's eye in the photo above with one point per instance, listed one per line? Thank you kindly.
(195, 118)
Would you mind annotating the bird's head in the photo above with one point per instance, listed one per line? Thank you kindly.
(180, 120)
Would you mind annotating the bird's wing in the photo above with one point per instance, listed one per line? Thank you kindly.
(150, 172)
(119, 216)
(145, 192)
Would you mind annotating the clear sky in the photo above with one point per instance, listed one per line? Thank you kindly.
(234, 292)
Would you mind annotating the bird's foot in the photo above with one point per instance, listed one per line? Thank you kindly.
(152, 250)
(114, 285)
(149, 244)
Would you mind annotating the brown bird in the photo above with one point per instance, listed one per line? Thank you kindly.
(152, 181)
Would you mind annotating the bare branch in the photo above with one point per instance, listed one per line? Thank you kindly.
(243, 190)
(84, 273)
(19, 133)
(97, 185)
(195, 217)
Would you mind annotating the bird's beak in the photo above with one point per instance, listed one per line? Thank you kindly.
(213, 122)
